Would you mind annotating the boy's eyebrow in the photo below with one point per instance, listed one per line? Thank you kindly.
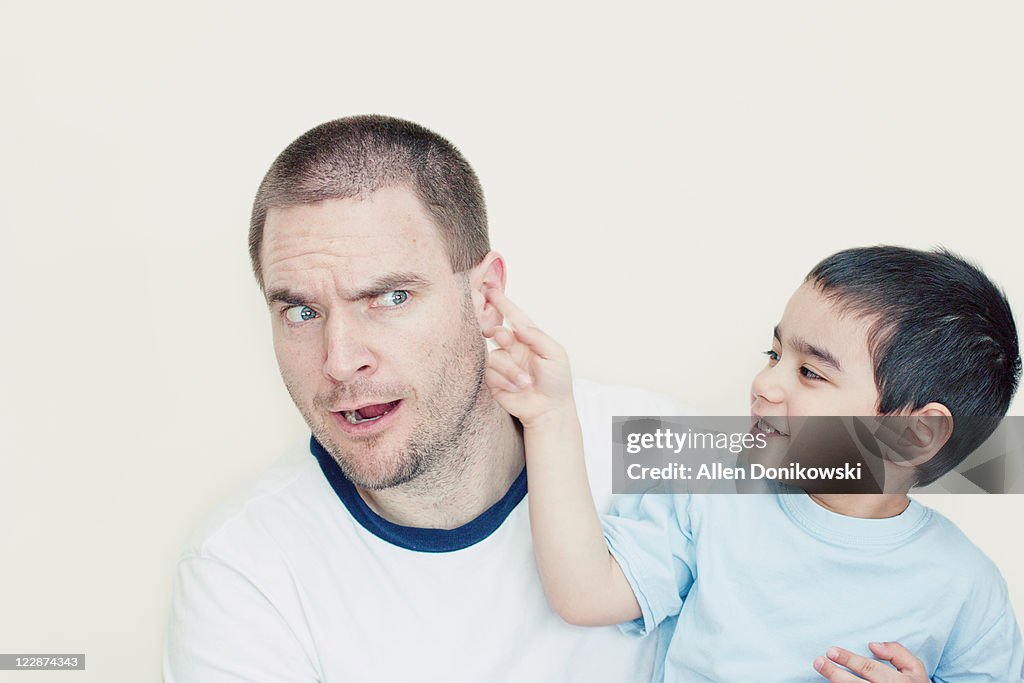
(380, 285)
(809, 349)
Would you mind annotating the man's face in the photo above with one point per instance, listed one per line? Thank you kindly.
(375, 335)
(818, 364)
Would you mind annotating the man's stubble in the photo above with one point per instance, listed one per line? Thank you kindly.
(447, 426)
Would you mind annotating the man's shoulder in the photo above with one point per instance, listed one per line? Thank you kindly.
(283, 493)
(596, 405)
(599, 402)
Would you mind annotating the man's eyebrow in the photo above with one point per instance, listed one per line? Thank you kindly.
(808, 349)
(286, 296)
(388, 282)
(380, 285)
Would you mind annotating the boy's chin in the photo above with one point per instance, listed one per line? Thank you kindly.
(820, 444)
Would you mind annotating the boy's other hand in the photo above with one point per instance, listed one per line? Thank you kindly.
(528, 374)
(909, 669)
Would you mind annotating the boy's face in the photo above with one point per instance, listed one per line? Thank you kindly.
(818, 364)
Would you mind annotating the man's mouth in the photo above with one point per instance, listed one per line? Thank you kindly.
(369, 413)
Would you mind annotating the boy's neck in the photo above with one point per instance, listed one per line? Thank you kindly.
(863, 505)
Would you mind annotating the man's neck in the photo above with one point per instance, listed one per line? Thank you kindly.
(475, 479)
(864, 505)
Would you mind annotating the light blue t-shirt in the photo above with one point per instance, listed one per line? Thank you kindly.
(759, 585)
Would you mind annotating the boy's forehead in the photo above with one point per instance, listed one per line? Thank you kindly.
(811, 318)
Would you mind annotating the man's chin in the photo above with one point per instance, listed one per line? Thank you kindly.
(369, 468)
(378, 481)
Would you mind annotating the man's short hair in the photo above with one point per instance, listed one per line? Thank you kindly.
(355, 156)
(941, 332)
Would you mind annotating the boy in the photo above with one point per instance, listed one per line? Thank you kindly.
(756, 586)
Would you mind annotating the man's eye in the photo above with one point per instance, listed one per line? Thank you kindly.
(299, 314)
(773, 357)
(395, 297)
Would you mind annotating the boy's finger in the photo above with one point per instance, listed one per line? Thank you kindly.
(509, 310)
(504, 338)
(868, 669)
(497, 382)
(540, 343)
(899, 656)
(836, 674)
(502, 362)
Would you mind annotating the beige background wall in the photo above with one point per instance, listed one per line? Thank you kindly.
(659, 176)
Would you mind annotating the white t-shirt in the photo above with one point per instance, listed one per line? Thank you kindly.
(300, 581)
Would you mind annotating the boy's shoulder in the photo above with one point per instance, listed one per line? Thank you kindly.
(986, 630)
(964, 560)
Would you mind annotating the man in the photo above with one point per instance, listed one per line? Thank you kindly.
(401, 549)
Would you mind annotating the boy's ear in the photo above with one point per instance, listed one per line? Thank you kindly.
(490, 272)
(922, 434)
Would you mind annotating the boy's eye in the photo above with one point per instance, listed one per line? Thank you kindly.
(774, 357)
(299, 314)
(810, 374)
(395, 297)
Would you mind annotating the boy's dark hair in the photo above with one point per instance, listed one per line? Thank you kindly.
(942, 332)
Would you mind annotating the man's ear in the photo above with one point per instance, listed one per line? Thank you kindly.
(923, 433)
(490, 272)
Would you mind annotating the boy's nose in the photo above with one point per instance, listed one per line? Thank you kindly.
(766, 387)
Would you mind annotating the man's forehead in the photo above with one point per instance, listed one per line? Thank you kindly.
(386, 212)
(385, 231)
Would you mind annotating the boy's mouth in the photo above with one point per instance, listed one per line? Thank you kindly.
(770, 428)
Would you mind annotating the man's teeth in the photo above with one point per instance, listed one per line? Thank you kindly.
(353, 417)
(767, 428)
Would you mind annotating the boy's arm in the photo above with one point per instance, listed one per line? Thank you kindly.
(583, 582)
(529, 376)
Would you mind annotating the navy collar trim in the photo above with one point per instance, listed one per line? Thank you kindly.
(416, 538)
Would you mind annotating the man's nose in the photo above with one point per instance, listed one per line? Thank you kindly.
(348, 349)
(767, 386)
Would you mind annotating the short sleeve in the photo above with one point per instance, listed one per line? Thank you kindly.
(997, 655)
(985, 644)
(650, 537)
(224, 629)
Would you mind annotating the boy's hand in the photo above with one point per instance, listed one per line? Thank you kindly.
(528, 374)
(909, 669)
